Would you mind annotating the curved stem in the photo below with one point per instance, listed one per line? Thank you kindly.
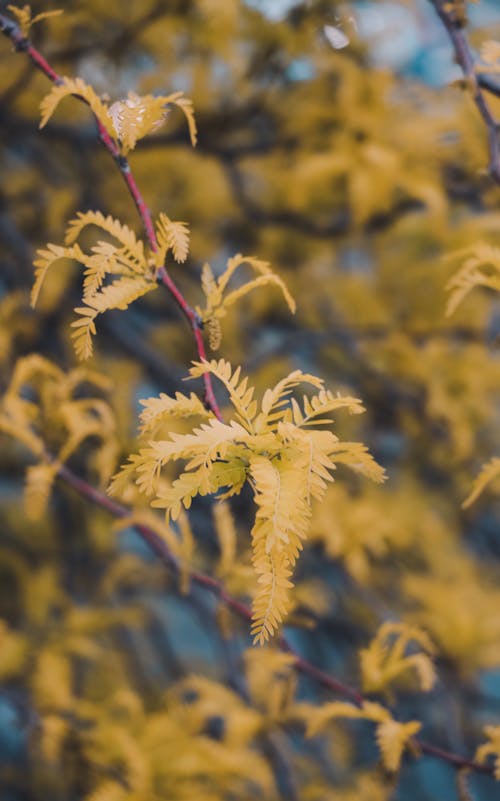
(22, 44)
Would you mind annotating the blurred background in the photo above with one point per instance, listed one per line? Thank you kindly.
(357, 172)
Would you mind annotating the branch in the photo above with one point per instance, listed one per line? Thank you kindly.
(301, 664)
(22, 44)
(464, 57)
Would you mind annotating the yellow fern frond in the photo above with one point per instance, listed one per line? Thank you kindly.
(311, 456)
(186, 106)
(260, 267)
(240, 394)
(173, 236)
(229, 475)
(26, 21)
(323, 403)
(120, 294)
(133, 246)
(318, 717)
(84, 331)
(481, 268)
(280, 525)
(158, 410)
(78, 87)
(491, 748)
(45, 260)
(181, 493)
(391, 735)
(117, 295)
(217, 302)
(386, 659)
(135, 117)
(271, 601)
(359, 459)
(146, 464)
(262, 280)
(488, 473)
(276, 400)
(392, 739)
(287, 466)
(209, 442)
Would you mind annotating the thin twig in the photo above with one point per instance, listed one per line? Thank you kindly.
(464, 57)
(22, 44)
(301, 664)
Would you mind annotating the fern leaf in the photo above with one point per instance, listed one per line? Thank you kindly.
(214, 290)
(117, 295)
(186, 106)
(25, 20)
(358, 458)
(145, 464)
(482, 268)
(488, 473)
(277, 399)
(392, 739)
(133, 247)
(135, 117)
(319, 717)
(158, 410)
(46, 15)
(205, 445)
(271, 602)
(310, 455)
(230, 475)
(77, 87)
(280, 525)
(391, 735)
(181, 492)
(324, 403)
(84, 331)
(261, 268)
(262, 280)
(45, 260)
(173, 236)
(240, 394)
(385, 660)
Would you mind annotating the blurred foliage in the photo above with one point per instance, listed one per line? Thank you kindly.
(368, 194)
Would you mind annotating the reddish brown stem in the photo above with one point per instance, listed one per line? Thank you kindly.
(465, 58)
(302, 665)
(10, 29)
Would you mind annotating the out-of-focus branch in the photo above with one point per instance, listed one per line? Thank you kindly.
(22, 44)
(213, 585)
(464, 57)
